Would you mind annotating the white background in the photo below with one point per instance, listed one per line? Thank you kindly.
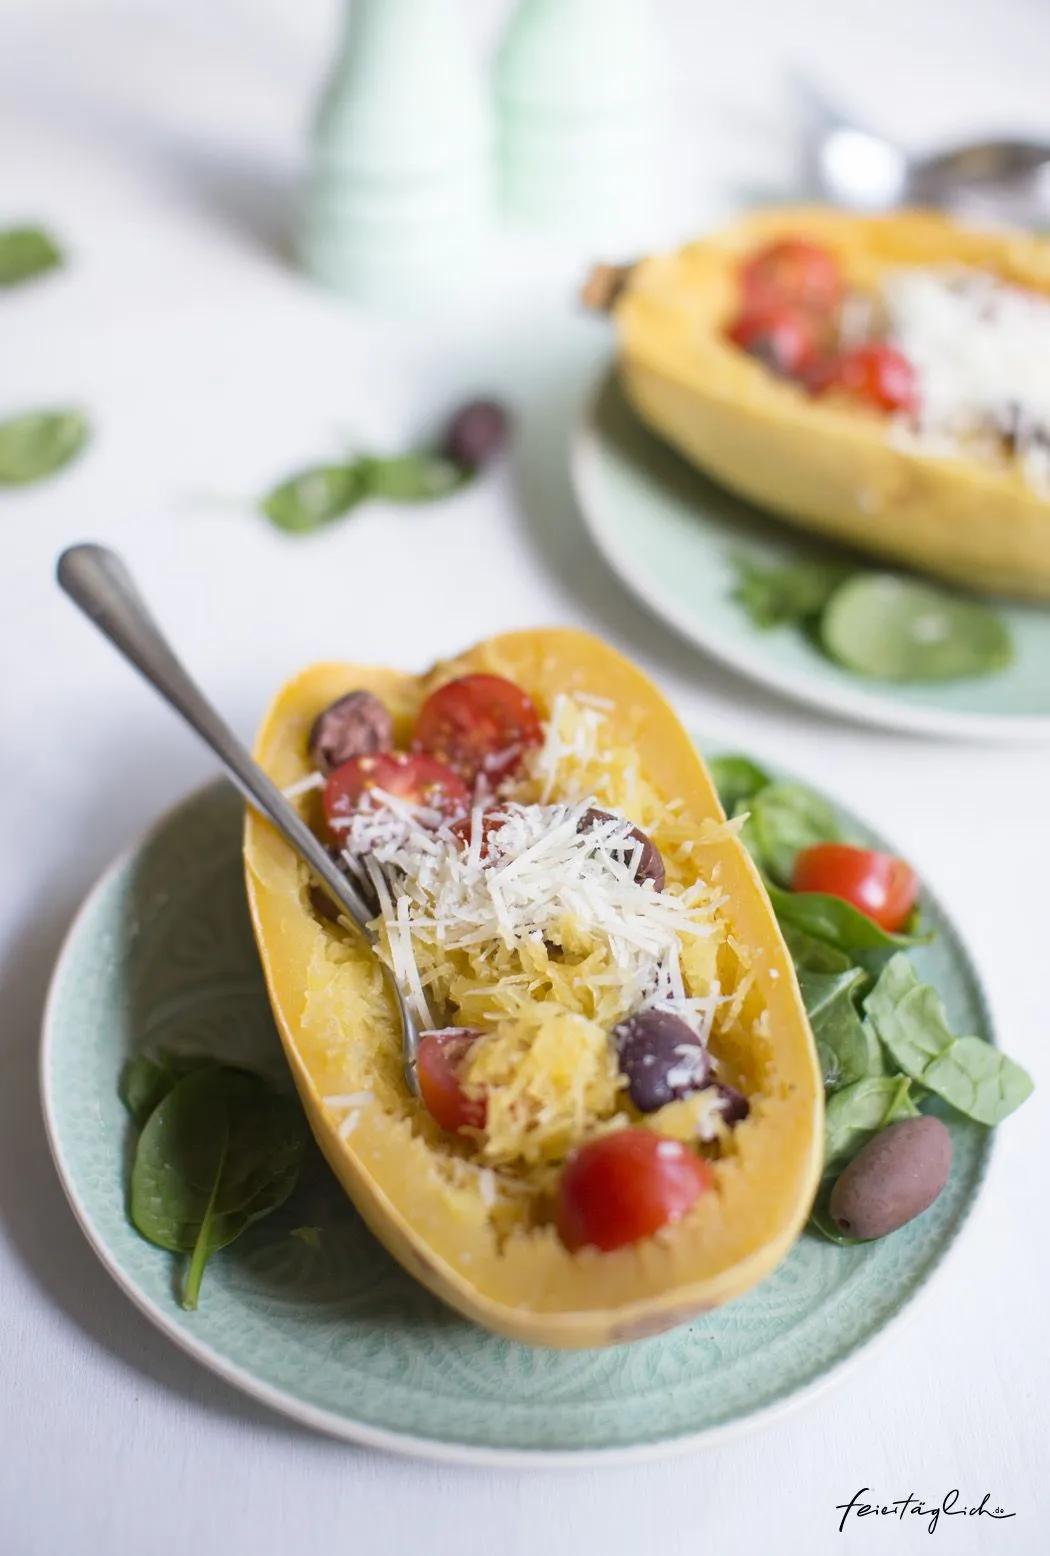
(162, 140)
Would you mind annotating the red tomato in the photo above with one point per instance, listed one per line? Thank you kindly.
(878, 373)
(880, 885)
(627, 1185)
(437, 1062)
(491, 821)
(418, 779)
(478, 724)
(790, 341)
(791, 270)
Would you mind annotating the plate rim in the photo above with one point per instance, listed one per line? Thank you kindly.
(862, 707)
(410, 1445)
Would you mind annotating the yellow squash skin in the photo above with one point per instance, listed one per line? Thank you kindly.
(532, 1289)
(825, 465)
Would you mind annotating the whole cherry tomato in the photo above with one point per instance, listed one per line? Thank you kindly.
(438, 1060)
(479, 724)
(627, 1185)
(792, 270)
(880, 885)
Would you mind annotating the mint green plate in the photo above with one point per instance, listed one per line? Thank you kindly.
(328, 1328)
(670, 534)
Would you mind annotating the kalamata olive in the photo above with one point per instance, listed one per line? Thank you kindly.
(355, 725)
(648, 866)
(897, 1176)
(476, 433)
(662, 1058)
(735, 1106)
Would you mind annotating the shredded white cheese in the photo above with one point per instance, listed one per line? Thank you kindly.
(981, 353)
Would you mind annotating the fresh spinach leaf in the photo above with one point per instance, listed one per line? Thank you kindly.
(822, 1221)
(219, 1151)
(838, 922)
(26, 252)
(422, 477)
(856, 1113)
(737, 780)
(315, 497)
(848, 1050)
(787, 592)
(891, 628)
(910, 1021)
(38, 443)
(147, 1078)
(812, 955)
(784, 819)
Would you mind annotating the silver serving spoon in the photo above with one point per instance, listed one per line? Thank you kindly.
(97, 580)
(851, 165)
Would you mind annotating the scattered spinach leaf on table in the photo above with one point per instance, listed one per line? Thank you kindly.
(909, 1019)
(422, 477)
(219, 1150)
(25, 253)
(313, 498)
(36, 444)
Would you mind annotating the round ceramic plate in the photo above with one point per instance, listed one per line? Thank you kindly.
(307, 1312)
(671, 535)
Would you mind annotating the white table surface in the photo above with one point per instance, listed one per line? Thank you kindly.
(161, 139)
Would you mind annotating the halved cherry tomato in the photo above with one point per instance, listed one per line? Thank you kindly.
(437, 1062)
(880, 885)
(789, 340)
(877, 373)
(418, 779)
(792, 270)
(480, 724)
(627, 1185)
(491, 820)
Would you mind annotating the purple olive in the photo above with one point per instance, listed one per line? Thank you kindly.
(662, 1058)
(735, 1106)
(897, 1176)
(355, 725)
(648, 864)
(476, 433)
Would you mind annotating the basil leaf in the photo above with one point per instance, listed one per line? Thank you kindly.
(788, 592)
(38, 443)
(219, 1151)
(848, 1050)
(422, 477)
(737, 780)
(315, 497)
(898, 629)
(838, 922)
(856, 1113)
(910, 1021)
(784, 819)
(26, 252)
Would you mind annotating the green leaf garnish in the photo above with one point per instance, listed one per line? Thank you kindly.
(737, 780)
(787, 592)
(39, 443)
(890, 628)
(847, 1048)
(25, 253)
(220, 1150)
(838, 922)
(420, 477)
(910, 1021)
(783, 819)
(857, 1113)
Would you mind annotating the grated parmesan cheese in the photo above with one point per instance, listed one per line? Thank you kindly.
(981, 353)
